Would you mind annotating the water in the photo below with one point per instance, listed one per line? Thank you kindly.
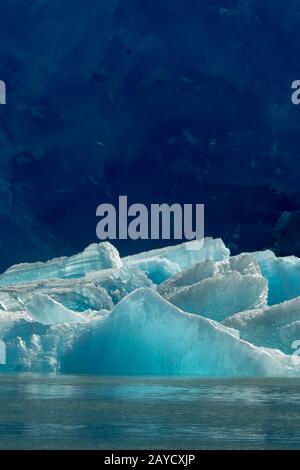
(88, 412)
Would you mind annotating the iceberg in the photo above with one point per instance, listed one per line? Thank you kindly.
(97, 290)
(171, 311)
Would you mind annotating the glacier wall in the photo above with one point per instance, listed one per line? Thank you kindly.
(182, 96)
(171, 311)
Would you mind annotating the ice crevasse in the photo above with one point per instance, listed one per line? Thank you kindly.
(188, 309)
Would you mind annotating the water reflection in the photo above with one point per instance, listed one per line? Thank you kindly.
(44, 411)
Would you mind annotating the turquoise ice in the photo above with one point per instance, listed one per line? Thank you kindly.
(182, 310)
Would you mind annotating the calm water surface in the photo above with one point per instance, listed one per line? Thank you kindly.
(87, 412)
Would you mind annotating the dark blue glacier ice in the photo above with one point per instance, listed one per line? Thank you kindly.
(184, 310)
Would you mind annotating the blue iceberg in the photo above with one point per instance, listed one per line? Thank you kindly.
(183, 310)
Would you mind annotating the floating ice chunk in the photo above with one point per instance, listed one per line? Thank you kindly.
(47, 311)
(218, 289)
(283, 275)
(180, 256)
(93, 258)
(145, 334)
(273, 327)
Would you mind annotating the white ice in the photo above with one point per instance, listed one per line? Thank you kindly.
(218, 289)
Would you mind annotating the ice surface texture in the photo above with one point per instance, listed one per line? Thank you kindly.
(283, 275)
(275, 327)
(182, 310)
(218, 289)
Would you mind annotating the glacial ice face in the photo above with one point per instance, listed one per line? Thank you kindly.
(283, 275)
(93, 258)
(103, 314)
(218, 289)
(273, 327)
